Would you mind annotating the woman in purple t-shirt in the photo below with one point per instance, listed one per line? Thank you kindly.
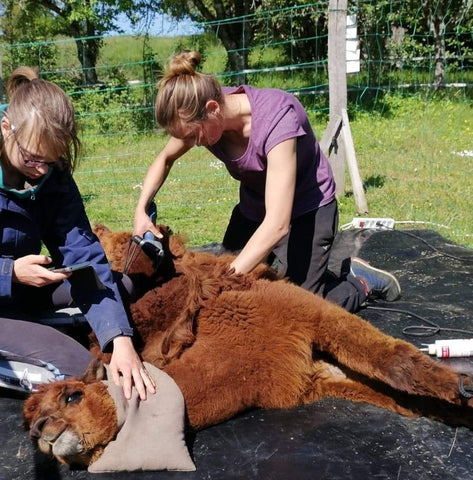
(287, 212)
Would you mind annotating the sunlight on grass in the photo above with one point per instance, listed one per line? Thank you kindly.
(422, 158)
(415, 164)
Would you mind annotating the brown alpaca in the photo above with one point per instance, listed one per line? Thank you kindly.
(233, 342)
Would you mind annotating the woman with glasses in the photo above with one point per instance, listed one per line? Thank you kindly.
(40, 204)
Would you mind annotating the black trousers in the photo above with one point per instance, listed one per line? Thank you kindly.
(303, 254)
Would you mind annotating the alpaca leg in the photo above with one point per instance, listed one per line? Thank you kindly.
(354, 391)
(363, 348)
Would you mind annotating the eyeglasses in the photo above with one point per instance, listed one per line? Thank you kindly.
(30, 159)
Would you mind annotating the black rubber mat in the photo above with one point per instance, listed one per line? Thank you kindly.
(332, 439)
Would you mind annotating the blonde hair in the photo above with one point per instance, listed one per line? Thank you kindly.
(39, 106)
(183, 92)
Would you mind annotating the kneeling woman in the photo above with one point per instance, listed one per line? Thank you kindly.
(287, 211)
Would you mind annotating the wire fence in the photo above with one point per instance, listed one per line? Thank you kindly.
(424, 50)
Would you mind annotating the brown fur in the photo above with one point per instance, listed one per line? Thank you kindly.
(56, 406)
(233, 342)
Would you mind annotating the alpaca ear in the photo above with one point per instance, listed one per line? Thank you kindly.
(177, 245)
(100, 229)
(95, 372)
(31, 407)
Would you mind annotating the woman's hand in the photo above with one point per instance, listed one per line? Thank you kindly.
(142, 223)
(125, 361)
(32, 270)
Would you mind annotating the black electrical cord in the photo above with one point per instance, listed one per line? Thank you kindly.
(431, 328)
(420, 330)
(435, 249)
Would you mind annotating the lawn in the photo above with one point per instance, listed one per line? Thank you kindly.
(414, 158)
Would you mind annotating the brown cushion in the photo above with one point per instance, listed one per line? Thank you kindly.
(151, 435)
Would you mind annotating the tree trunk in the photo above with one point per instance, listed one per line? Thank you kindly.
(237, 61)
(88, 47)
(87, 58)
(438, 30)
(436, 23)
(232, 38)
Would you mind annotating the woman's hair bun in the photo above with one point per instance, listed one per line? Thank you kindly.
(20, 76)
(184, 63)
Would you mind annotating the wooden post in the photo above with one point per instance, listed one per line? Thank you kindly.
(337, 23)
(356, 183)
(337, 141)
(330, 137)
(338, 133)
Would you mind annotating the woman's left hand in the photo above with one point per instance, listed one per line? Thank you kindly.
(125, 361)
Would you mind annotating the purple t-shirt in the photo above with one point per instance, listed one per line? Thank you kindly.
(277, 116)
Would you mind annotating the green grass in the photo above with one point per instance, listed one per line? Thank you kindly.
(196, 199)
(416, 166)
(409, 159)
(408, 149)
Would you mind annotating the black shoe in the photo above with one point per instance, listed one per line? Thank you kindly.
(378, 283)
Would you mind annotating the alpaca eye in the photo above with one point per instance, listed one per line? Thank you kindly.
(74, 397)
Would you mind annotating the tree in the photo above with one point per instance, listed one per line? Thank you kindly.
(20, 31)
(226, 19)
(239, 25)
(415, 33)
(284, 22)
(440, 16)
(85, 20)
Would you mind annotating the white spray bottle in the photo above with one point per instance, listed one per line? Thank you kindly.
(450, 348)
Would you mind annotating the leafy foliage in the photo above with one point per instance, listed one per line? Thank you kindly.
(84, 20)
(416, 35)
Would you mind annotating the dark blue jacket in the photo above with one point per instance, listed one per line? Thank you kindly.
(54, 213)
